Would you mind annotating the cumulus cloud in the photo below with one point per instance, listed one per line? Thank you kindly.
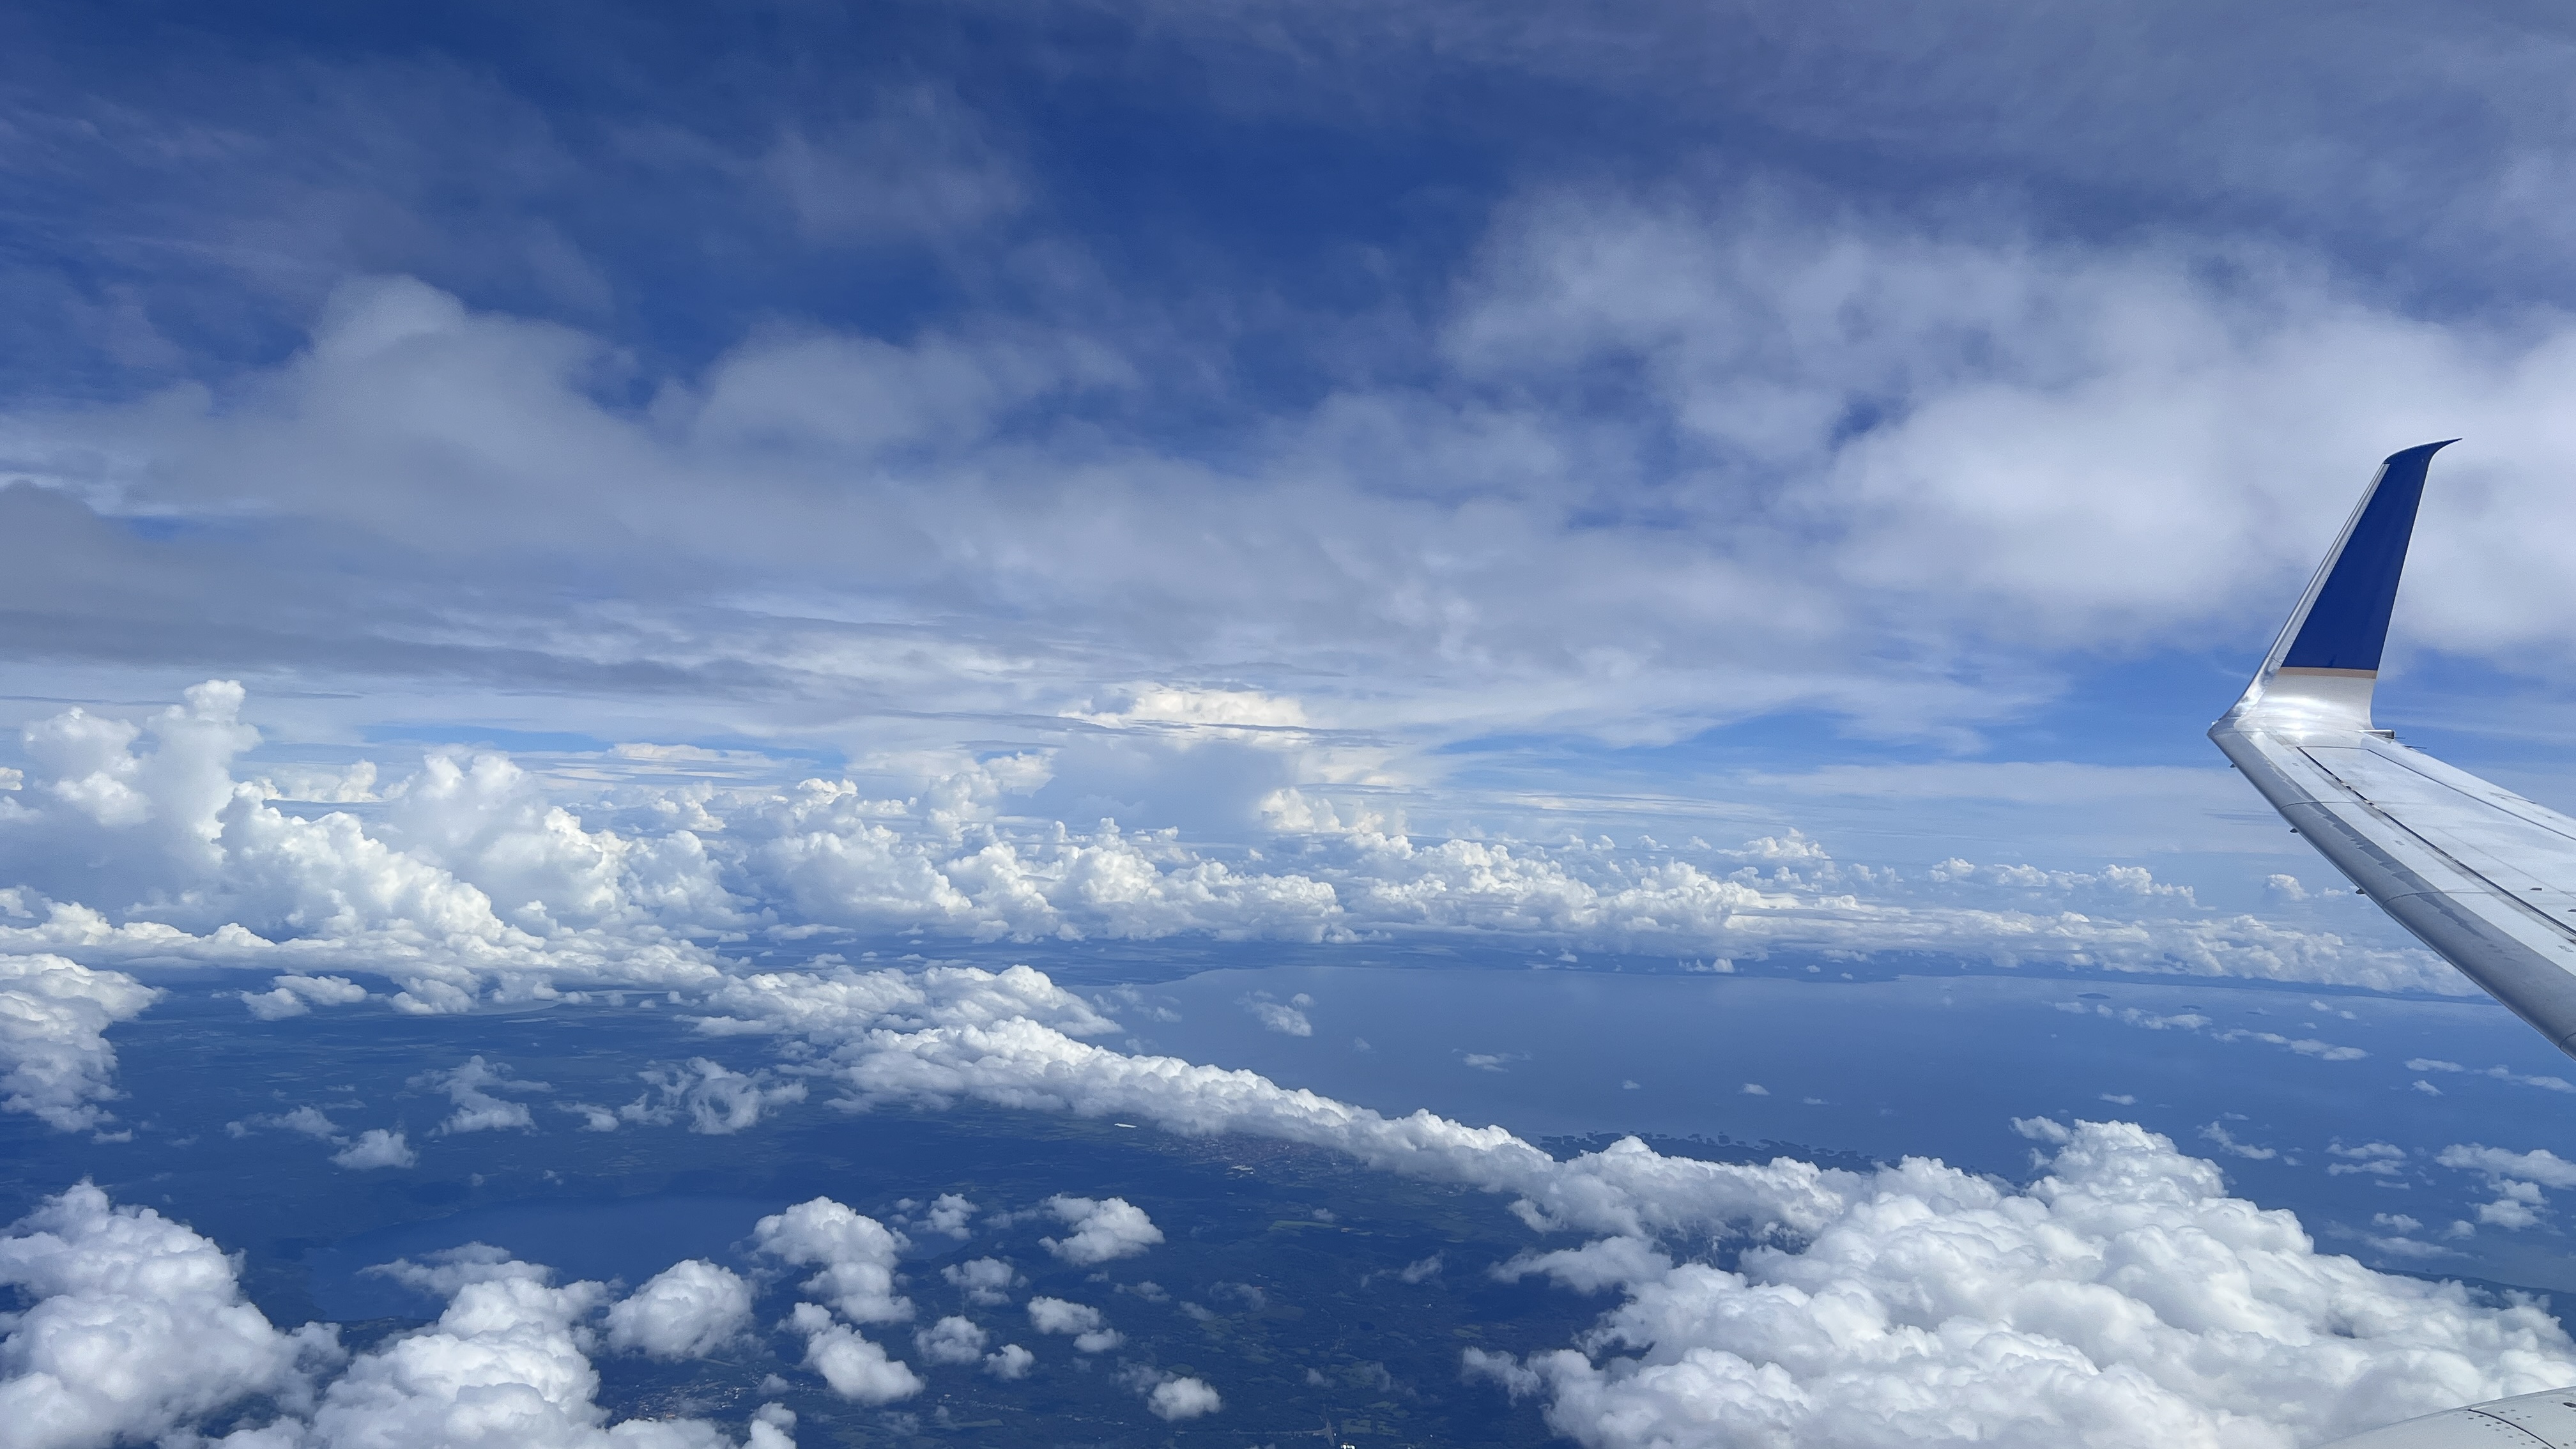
(2123, 1297)
(376, 1147)
(309, 1120)
(297, 995)
(1010, 1361)
(1103, 1229)
(2540, 1165)
(137, 1327)
(1090, 1333)
(472, 1086)
(2516, 1178)
(467, 881)
(503, 1364)
(1287, 1018)
(200, 866)
(770, 1426)
(688, 1310)
(986, 1282)
(856, 1254)
(2376, 1159)
(855, 1367)
(447, 1272)
(949, 1214)
(1958, 1281)
(1181, 1397)
(55, 1063)
(951, 1340)
(714, 1098)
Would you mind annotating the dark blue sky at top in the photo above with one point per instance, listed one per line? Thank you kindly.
(1233, 176)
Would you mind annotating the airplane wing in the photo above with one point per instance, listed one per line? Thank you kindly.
(2481, 875)
(2532, 1421)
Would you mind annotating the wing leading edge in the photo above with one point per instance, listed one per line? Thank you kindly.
(2481, 875)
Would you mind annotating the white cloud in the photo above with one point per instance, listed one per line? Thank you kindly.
(714, 1098)
(1959, 1281)
(309, 1120)
(2378, 1159)
(471, 1085)
(986, 1282)
(1897, 399)
(136, 1327)
(2028, 1315)
(218, 875)
(1179, 1398)
(688, 1310)
(468, 881)
(2540, 1166)
(855, 1367)
(2323, 1051)
(377, 1147)
(1080, 1320)
(948, 1214)
(449, 1271)
(503, 1364)
(2499, 1073)
(856, 1253)
(1103, 1229)
(1056, 1315)
(1010, 1361)
(296, 995)
(770, 1426)
(951, 1340)
(2513, 1210)
(2123, 1295)
(2226, 1142)
(1279, 1017)
(55, 1062)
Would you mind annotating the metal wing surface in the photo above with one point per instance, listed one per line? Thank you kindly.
(2483, 876)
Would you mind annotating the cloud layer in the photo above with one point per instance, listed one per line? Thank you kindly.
(1822, 411)
(2122, 1296)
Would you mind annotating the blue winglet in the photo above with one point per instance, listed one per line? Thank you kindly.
(2347, 624)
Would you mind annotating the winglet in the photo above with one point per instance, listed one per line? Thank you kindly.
(2327, 657)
